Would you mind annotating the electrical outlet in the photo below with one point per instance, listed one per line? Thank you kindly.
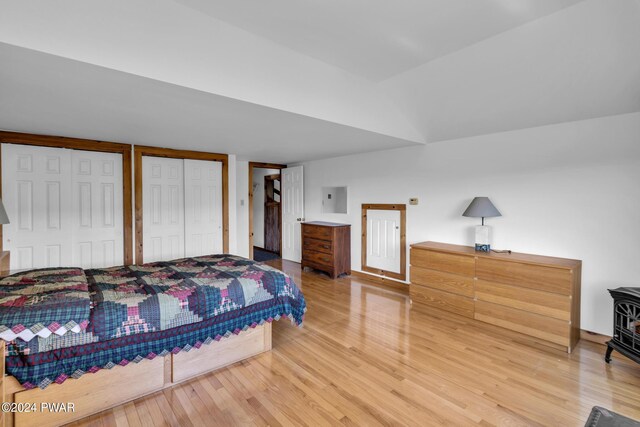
(413, 201)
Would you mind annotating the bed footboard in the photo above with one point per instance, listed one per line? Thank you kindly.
(93, 393)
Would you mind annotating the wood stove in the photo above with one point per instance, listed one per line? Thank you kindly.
(626, 323)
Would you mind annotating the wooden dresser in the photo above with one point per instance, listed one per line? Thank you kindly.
(326, 246)
(2, 360)
(535, 295)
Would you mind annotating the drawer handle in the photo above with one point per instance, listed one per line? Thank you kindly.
(326, 259)
(326, 246)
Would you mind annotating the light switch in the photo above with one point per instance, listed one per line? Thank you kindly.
(413, 201)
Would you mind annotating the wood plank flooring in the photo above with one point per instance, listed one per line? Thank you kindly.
(366, 357)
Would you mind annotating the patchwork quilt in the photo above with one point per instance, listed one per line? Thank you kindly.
(38, 303)
(139, 312)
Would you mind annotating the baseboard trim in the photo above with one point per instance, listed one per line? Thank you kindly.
(594, 337)
(382, 281)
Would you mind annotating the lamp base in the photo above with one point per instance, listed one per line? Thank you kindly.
(482, 238)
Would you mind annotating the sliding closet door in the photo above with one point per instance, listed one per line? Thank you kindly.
(36, 191)
(97, 216)
(163, 208)
(203, 207)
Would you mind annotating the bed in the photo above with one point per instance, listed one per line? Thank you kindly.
(101, 337)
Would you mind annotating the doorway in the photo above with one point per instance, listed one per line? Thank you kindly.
(265, 211)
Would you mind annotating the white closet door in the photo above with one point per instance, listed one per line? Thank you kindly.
(97, 218)
(203, 207)
(163, 208)
(36, 191)
(383, 239)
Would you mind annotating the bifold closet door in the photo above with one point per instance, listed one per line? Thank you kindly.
(97, 216)
(203, 207)
(65, 207)
(163, 208)
(36, 192)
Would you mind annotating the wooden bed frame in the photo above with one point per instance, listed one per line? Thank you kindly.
(93, 393)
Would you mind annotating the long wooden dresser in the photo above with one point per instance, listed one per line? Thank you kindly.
(535, 295)
(326, 246)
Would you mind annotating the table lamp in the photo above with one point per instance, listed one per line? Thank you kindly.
(481, 207)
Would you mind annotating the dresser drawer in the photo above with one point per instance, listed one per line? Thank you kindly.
(533, 301)
(550, 279)
(442, 281)
(324, 246)
(318, 258)
(443, 300)
(317, 232)
(441, 261)
(546, 328)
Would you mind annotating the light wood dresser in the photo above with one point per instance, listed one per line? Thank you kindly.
(4, 263)
(326, 246)
(535, 295)
(2, 360)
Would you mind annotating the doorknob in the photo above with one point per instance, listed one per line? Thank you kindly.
(298, 219)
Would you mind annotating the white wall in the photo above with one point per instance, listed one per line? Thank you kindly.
(233, 206)
(242, 208)
(568, 190)
(258, 204)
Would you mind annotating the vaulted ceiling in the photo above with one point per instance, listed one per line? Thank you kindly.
(288, 80)
(377, 39)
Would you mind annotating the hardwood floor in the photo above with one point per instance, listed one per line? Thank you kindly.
(366, 357)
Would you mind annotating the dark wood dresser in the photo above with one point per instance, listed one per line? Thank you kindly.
(326, 246)
(535, 295)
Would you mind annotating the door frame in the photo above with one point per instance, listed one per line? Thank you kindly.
(143, 150)
(86, 145)
(250, 204)
(403, 240)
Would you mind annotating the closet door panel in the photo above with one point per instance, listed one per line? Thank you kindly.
(163, 208)
(97, 215)
(203, 207)
(36, 191)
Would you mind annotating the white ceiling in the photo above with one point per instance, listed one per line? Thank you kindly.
(377, 38)
(286, 81)
(47, 94)
(580, 63)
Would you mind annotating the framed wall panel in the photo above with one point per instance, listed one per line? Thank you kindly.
(382, 238)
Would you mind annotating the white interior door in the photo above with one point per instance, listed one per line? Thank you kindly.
(97, 216)
(36, 191)
(383, 239)
(292, 212)
(203, 207)
(163, 208)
